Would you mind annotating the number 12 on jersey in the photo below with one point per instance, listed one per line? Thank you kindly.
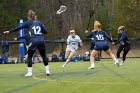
(37, 30)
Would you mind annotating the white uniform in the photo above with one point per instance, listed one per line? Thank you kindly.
(73, 43)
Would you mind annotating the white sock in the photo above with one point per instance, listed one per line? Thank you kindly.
(116, 61)
(30, 69)
(92, 64)
(123, 61)
(64, 64)
(47, 67)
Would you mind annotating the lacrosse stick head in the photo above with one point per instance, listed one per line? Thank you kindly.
(61, 9)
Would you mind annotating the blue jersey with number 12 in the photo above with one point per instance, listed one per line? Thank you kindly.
(36, 30)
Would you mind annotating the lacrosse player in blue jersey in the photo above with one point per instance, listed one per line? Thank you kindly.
(124, 44)
(100, 43)
(36, 31)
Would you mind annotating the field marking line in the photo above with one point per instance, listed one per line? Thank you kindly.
(85, 82)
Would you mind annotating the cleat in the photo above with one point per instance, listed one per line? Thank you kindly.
(29, 74)
(118, 64)
(122, 63)
(91, 67)
(47, 72)
(115, 63)
(62, 68)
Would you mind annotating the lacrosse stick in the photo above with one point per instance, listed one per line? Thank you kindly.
(91, 12)
(61, 10)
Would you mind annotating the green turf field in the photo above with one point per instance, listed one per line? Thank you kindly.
(76, 78)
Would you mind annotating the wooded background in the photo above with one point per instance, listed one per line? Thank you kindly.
(111, 14)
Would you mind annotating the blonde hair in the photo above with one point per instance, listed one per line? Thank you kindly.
(121, 28)
(97, 26)
(31, 14)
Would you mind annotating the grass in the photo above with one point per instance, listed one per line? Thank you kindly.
(76, 78)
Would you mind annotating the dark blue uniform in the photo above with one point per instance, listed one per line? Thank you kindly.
(123, 39)
(36, 31)
(100, 40)
(92, 44)
(26, 41)
(124, 45)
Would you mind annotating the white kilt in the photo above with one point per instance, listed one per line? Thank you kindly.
(70, 48)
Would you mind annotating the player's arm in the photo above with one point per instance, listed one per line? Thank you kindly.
(108, 37)
(80, 43)
(68, 41)
(23, 37)
(24, 25)
(88, 34)
(122, 38)
(116, 39)
(44, 30)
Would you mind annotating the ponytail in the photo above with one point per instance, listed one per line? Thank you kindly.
(31, 14)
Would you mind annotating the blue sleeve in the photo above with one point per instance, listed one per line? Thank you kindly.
(24, 25)
(120, 39)
(44, 30)
(115, 40)
(108, 37)
(89, 35)
(23, 37)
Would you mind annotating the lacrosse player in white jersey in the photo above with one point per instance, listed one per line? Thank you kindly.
(73, 43)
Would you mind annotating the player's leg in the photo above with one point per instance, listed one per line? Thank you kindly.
(68, 55)
(125, 52)
(31, 50)
(29, 62)
(26, 53)
(119, 51)
(109, 52)
(42, 51)
(92, 59)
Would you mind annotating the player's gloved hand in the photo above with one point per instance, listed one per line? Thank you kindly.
(113, 43)
(15, 38)
(6, 32)
(86, 31)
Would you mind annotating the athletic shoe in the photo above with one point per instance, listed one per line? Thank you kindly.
(91, 67)
(29, 74)
(47, 72)
(117, 63)
(122, 63)
(63, 66)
